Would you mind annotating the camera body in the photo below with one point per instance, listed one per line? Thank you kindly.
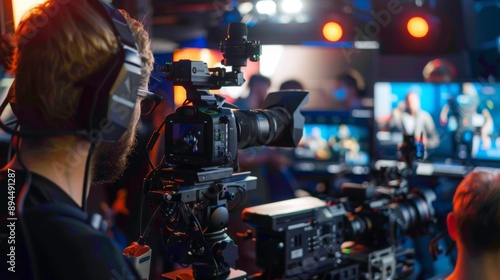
(201, 137)
(299, 238)
(356, 235)
(378, 224)
(381, 217)
(307, 238)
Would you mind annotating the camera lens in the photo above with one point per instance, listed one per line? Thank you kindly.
(415, 212)
(261, 127)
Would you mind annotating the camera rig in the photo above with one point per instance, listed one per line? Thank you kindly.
(192, 187)
(354, 236)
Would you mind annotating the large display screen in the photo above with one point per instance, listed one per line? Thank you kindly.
(483, 106)
(335, 141)
(416, 109)
(455, 121)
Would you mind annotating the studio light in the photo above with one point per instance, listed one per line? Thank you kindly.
(266, 7)
(291, 6)
(417, 27)
(245, 7)
(332, 31)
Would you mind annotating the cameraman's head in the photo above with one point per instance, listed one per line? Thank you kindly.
(475, 221)
(52, 62)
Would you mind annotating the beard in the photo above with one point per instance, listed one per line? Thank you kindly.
(110, 160)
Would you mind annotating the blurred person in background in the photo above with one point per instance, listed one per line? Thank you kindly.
(439, 71)
(258, 87)
(291, 84)
(345, 93)
(347, 89)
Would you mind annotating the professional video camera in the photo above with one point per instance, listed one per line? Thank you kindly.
(200, 173)
(209, 133)
(305, 238)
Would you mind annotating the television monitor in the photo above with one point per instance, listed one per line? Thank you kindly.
(395, 107)
(335, 142)
(482, 102)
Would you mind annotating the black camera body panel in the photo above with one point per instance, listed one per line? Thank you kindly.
(298, 237)
(201, 137)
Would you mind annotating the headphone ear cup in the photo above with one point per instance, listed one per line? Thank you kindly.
(93, 105)
(108, 98)
(108, 101)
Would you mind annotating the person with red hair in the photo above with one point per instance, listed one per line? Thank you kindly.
(474, 225)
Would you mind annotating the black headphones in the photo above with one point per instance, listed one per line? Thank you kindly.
(109, 96)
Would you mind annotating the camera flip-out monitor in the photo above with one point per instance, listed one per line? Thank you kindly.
(200, 137)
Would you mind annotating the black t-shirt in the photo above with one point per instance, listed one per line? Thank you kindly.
(62, 242)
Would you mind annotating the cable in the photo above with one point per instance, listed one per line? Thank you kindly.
(146, 231)
(141, 211)
(148, 181)
(151, 143)
(86, 176)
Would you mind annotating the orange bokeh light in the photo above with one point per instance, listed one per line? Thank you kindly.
(418, 27)
(332, 31)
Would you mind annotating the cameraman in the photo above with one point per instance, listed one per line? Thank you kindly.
(474, 224)
(53, 62)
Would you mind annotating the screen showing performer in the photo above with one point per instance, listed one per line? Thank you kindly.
(188, 138)
(414, 108)
(334, 141)
(476, 112)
